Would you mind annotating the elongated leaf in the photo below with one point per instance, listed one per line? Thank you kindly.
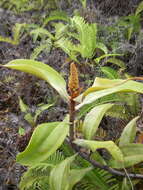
(76, 175)
(129, 133)
(128, 161)
(109, 145)
(60, 174)
(46, 139)
(93, 119)
(132, 149)
(125, 86)
(42, 71)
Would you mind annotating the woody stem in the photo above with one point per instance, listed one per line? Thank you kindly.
(72, 118)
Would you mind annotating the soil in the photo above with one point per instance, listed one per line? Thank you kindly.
(14, 84)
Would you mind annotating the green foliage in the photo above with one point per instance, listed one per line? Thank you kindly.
(47, 138)
(22, 5)
(83, 2)
(56, 15)
(129, 133)
(85, 35)
(91, 124)
(45, 135)
(42, 71)
(109, 145)
(16, 35)
(31, 118)
(104, 87)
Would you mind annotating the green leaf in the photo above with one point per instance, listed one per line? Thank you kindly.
(109, 145)
(96, 156)
(113, 86)
(93, 119)
(42, 71)
(129, 133)
(139, 8)
(76, 175)
(23, 106)
(60, 174)
(21, 131)
(128, 161)
(132, 149)
(45, 140)
(110, 73)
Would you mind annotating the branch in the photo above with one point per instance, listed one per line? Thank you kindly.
(104, 167)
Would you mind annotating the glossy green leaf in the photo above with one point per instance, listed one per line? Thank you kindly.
(45, 140)
(76, 175)
(109, 145)
(116, 86)
(60, 174)
(128, 161)
(132, 149)
(93, 119)
(129, 133)
(42, 71)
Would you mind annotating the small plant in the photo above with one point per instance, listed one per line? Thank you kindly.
(47, 138)
(16, 35)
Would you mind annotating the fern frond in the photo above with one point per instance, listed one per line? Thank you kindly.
(45, 46)
(42, 32)
(60, 30)
(56, 15)
(118, 111)
(55, 158)
(16, 32)
(68, 47)
(35, 174)
(87, 36)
